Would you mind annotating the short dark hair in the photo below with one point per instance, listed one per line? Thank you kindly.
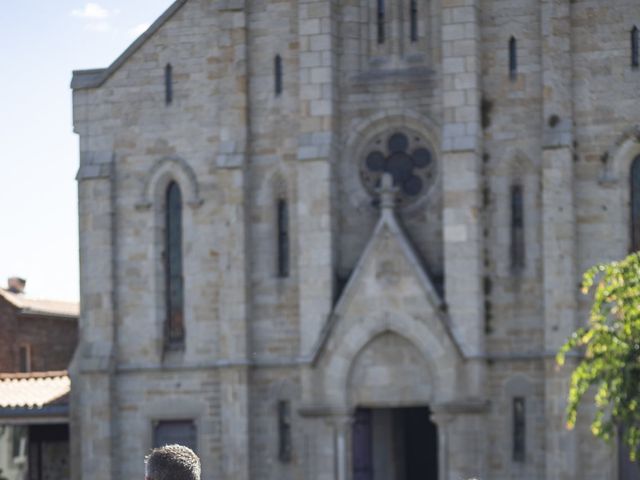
(172, 462)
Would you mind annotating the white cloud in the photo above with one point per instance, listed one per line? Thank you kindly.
(92, 11)
(139, 29)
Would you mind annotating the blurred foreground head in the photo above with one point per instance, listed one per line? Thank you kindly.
(172, 462)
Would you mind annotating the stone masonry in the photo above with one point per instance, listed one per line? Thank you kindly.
(400, 131)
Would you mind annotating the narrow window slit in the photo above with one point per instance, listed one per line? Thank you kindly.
(277, 72)
(634, 47)
(517, 228)
(283, 238)
(24, 358)
(284, 431)
(513, 58)
(413, 16)
(381, 21)
(168, 84)
(174, 288)
(519, 429)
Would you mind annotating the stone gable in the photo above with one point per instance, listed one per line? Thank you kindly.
(455, 303)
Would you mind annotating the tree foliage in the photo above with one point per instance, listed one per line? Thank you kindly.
(611, 347)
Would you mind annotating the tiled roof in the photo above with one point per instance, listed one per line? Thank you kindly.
(33, 390)
(41, 306)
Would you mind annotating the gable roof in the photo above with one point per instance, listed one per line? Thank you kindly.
(39, 306)
(83, 79)
(387, 221)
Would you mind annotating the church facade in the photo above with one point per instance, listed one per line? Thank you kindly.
(342, 240)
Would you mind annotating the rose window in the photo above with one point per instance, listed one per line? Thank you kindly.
(409, 161)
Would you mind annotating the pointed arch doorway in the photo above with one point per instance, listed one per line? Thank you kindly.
(392, 434)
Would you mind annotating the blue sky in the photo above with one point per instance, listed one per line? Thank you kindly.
(42, 42)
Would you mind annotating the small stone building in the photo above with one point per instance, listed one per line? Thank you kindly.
(343, 239)
(37, 341)
(37, 334)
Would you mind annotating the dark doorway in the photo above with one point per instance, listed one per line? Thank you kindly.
(48, 455)
(394, 444)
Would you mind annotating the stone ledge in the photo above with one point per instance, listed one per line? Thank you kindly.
(467, 406)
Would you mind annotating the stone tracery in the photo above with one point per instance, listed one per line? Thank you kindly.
(406, 158)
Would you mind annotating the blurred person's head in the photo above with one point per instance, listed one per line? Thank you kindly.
(172, 462)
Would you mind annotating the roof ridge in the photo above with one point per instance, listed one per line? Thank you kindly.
(22, 296)
(41, 306)
(33, 375)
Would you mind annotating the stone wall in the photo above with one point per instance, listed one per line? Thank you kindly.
(8, 356)
(561, 127)
(52, 340)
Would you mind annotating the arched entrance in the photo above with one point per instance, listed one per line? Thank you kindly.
(394, 444)
(392, 435)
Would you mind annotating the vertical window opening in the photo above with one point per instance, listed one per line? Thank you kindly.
(283, 238)
(635, 204)
(634, 47)
(513, 58)
(413, 16)
(284, 431)
(277, 69)
(179, 432)
(517, 228)
(24, 358)
(519, 429)
(168, 84)
(380, 21)
(173, 268)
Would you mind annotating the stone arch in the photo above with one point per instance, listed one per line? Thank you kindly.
(164, 171)
(520, 165)
(278, 185)
(438, 350)
(271, 190)
(616, 161)
(389, 371)
(518, 384)
(272, 186)
(616, 173)
(284, 388)
(514, 163)
(152, 203)
(389, 118)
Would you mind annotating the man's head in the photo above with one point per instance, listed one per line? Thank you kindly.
(172, 462)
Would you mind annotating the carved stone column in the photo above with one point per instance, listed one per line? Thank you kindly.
(341, 424)
(442, 421)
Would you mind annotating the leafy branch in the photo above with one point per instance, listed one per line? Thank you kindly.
(611, 346)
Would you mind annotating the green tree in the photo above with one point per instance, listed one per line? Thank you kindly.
(610, 344)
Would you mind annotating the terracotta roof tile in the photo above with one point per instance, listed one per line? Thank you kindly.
(33, 390)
